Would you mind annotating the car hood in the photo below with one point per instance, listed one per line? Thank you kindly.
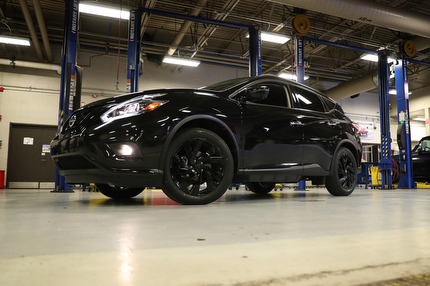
(124, 97)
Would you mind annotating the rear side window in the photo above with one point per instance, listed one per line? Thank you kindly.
(307, 99)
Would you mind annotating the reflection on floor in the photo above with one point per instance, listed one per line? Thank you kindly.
(283, 238)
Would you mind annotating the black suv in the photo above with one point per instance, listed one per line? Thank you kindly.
(193, 143)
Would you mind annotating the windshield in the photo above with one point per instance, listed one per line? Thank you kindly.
(224, 85)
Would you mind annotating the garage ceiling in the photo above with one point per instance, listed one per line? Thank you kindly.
(327, 66)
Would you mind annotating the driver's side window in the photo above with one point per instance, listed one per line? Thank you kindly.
(423, 146)
(274, 94)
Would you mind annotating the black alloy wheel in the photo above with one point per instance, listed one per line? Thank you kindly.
(118, 193)
(344, 176)
(260, 188)
(198, 168)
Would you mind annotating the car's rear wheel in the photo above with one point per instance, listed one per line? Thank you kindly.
(118, 193)
(344, 175)
(198, 168)
(260, 188)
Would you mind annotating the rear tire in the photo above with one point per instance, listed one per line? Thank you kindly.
(343, 180)
(260, 188)
(118, 193)
(198, 168)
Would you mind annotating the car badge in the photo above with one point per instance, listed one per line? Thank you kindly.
(72, 121)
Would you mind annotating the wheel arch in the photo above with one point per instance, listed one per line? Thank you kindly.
(349, 145)
(206, 122)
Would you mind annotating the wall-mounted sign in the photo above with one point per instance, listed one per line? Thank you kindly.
(46, 148)
(28, 141)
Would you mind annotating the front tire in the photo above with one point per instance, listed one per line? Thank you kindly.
(198, 168)
(260, 188)
(344, 175)
(118, 193)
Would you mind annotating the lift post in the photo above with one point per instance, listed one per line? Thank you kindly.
(133, 51)
(67, 85)
(300, 73)
(255, 65)
(385, 165)
(403, 130)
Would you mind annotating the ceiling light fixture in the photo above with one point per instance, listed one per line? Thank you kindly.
(394, 92)
(291, 76)
(419, 119)
(181, 62)
(103, 11)
(273, 37)
(374, 58)
(14, 40)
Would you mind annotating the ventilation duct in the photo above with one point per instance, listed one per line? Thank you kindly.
(33, 65)
(368, 12)
(353, 87)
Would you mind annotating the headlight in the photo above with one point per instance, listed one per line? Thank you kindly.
(132, 107)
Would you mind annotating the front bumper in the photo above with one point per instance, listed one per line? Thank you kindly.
(120, 153)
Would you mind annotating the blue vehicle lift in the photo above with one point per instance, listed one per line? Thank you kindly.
(133, 54)
(300, 73)
(67, 85)
(385, 165)
(403, 130)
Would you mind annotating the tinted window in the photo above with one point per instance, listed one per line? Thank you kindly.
(307, 99)
(423, 146)
(274, 94)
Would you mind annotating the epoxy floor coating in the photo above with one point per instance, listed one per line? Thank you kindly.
(284, 238)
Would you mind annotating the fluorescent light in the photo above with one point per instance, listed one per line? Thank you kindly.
(419, 119)
(273, 37)
(14, 40)
(181, 62)
(394, 92)
(103, 11)
(374, 58)
(291, 76)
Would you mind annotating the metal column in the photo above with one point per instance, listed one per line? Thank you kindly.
(385, 165)
(255, 66)
(300, 73)
(67, 85)
(133, 51)
(403, 131)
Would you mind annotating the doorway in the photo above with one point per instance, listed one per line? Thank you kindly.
(29, 164)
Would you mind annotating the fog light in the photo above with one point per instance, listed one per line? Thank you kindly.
(126, 150)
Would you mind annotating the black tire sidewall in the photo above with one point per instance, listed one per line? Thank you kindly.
(169, 186)
(332, 182)
(257, 188)
(118, 194)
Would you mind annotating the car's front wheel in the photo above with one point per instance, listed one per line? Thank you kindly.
(260, 188)
(343, 179)
(118, 193)
(198, 168)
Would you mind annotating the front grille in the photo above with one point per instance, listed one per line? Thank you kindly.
(74, 163)
(83, 119)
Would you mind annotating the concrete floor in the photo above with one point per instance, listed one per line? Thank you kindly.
(284, 238)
